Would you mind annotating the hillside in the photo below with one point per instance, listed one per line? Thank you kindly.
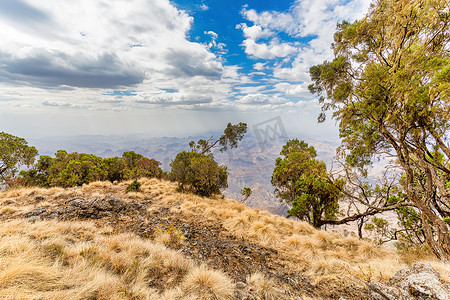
(97, 242)
(250, 165)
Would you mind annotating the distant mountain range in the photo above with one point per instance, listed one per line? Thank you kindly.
(249, 165)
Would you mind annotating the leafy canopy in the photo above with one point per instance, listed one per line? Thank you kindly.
(302, 181)
(389, 88)
(14, 152)
(230, 138)
(74, 169)
(198, 173)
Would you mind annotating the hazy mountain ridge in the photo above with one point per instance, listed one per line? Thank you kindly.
(249, 165)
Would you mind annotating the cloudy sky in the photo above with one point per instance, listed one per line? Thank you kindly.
(162, 67)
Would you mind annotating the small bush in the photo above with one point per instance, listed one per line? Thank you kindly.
(135, 186)
(199, 173)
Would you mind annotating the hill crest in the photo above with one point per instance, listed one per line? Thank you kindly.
(161, 244)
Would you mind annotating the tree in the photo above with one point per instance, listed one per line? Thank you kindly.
(14, 152)
(72, 169)
(199, 173)
(116, 168)
(197, 170)
(389, 89)
(230, 138)
(246, 192)
(303, 182)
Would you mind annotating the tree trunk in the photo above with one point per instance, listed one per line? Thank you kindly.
(440, 244)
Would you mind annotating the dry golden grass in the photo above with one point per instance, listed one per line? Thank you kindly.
(78, 260)
(263, 287)
(208, 284)
(322, 255)
(85, 261)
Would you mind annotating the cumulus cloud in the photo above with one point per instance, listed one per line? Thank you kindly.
(60, 104)
(73, 55)
(293, 90)
(253, 99)
(46, 68)
(259, 66)
(98, 44)
(268, 51)
(214, 44)
(255, 32)
(307, 27)
(192, 62)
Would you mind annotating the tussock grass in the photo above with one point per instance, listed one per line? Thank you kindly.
(208, 284)
(80, 260)
(324, 256)
(263, 287)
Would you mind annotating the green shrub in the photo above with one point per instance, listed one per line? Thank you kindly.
(135, 186)
(198, 173)
(75, 169)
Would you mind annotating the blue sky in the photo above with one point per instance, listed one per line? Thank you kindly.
(160, 67)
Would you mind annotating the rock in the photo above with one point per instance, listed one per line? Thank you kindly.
(116, 203)
(33, 219)
(379, 291)
(39, 198)
(419, 282)
(37, 212)
(241, 285)
(92, 208)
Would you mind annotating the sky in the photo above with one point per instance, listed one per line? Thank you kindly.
(159, 67)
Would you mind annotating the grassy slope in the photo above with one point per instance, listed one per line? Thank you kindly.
(181, 247)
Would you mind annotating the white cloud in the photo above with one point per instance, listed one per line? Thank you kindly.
(259, 66)
(268, 51)
(99, 44)
(293, 90)
(273, 20)
(254, 32)
(256, 99)
(212, 34)
(314, 20)
(66, 58)
(214, 44)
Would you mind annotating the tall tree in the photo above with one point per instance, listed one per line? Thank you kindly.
(198, 173)
(389, 88)
(230, 138)
(303, 182)
(14, 151)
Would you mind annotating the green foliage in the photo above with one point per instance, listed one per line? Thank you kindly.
(14, 152)
(199, 173)
(133, 187)
(388, 87)
(246, 192)
(75, 169)
(116, 167)
(303, 182)
(230, 138)
(379, 225)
